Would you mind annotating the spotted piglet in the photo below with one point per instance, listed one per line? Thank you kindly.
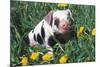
(55, 27)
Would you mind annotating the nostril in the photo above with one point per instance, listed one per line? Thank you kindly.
(65, 25)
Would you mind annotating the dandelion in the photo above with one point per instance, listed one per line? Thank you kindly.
(34, 55)
(62, 5)
(94, 32)
(63, 59)
(24, 61)
(81, 29)
(47, 57)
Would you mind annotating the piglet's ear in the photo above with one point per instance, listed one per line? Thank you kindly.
(49, 17)
(70, 14)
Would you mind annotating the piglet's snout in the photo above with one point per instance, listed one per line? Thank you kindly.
(65, 25)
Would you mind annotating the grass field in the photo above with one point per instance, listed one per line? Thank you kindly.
(24, 17)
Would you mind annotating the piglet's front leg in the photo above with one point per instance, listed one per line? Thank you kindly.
(47, 46)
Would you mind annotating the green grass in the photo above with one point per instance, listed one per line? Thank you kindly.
(25, 16)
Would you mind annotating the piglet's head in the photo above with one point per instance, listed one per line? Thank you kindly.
(60, 20)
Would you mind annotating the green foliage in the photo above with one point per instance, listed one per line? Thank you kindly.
(24, 17)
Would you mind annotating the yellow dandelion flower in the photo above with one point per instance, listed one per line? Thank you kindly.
(94, 32)
(81, 29)
(63, 59)
(24, 61)
(47, 56)
(62, 5)
(34, 55)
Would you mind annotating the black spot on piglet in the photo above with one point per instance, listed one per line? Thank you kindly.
(39, 39)
(34, 37)
(56, 22)
(42, 32)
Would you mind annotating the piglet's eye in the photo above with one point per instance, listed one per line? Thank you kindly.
(56, 22)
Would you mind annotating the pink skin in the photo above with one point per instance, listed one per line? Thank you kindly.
(63, 26)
